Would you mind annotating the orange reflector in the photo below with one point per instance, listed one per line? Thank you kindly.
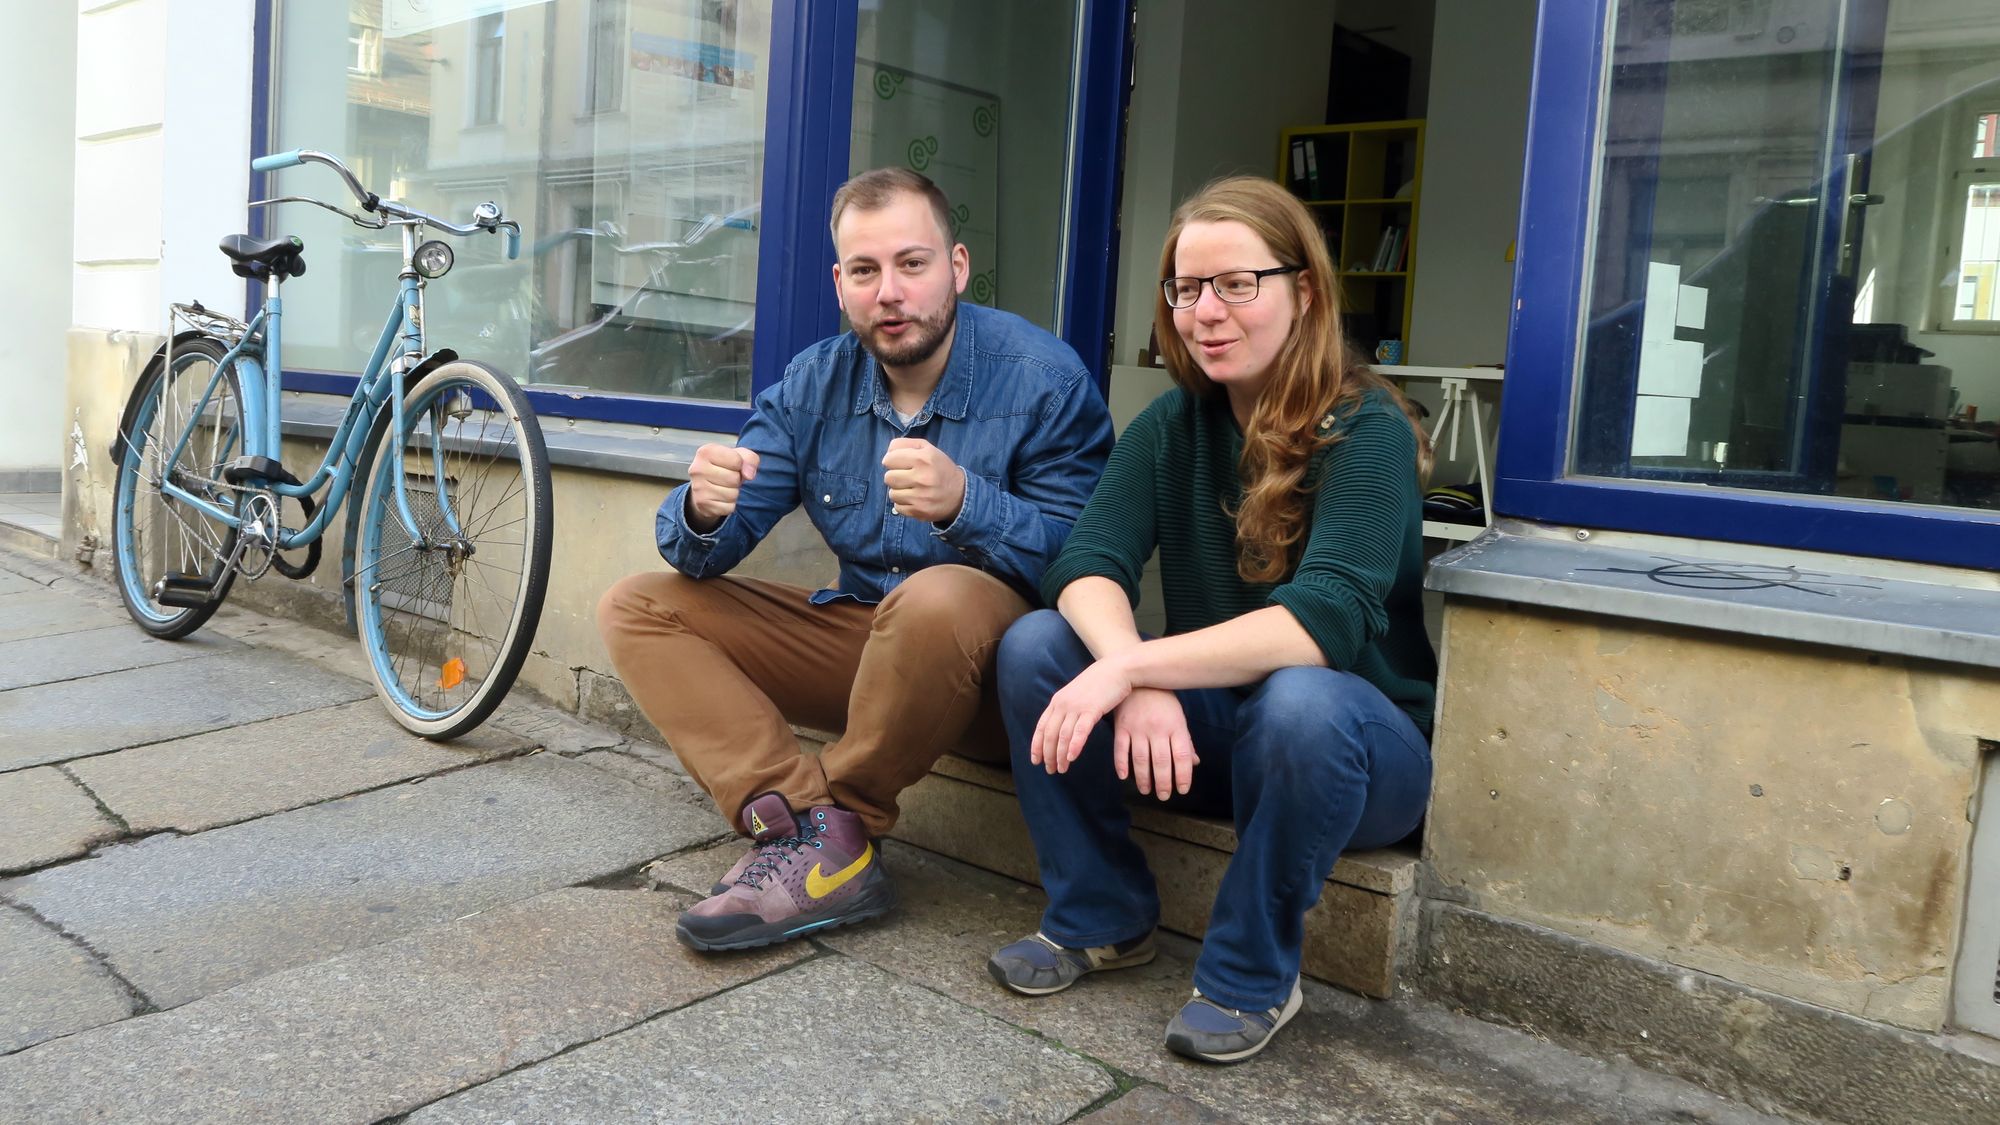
(452, 674)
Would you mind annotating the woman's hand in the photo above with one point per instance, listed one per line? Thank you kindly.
(1074, 712)
(1152, 736)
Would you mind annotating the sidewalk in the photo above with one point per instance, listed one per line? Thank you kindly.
(231, 888)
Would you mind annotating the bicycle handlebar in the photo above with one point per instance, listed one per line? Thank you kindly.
(277, 160)
(485, 217)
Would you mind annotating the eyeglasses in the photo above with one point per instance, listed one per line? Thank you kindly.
(1237, 287)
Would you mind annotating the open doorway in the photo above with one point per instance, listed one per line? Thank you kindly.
(1403, 123)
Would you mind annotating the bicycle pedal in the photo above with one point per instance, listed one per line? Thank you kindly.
(184, 591)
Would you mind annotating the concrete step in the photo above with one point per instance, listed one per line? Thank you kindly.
(27, 535)
(1359, 935)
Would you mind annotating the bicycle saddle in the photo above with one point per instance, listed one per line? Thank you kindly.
(262, 257)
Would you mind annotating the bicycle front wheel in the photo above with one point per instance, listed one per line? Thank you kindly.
(183, 423)
(447, 615)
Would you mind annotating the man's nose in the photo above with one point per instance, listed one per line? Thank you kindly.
(890, 292)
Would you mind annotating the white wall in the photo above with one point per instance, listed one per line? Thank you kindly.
(162, 154)
(120, 103)
(205, 158)
(1474, 142)
(38, 83)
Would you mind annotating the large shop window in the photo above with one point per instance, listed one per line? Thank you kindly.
(626, 135)
(1785, 323)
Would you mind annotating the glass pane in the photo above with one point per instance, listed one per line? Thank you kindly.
(626, 136)
(1797, 233)
(977, 97)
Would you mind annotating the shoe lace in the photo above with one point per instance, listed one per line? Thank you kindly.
(773, 852)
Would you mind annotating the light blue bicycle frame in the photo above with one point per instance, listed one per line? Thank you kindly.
(258, 357)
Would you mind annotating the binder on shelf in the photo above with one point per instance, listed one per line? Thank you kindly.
(1312, 170)
(1298, 163)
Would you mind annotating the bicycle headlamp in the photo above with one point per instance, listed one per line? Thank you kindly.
(433, 259)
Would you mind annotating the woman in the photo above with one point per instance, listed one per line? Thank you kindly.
(1281, 482)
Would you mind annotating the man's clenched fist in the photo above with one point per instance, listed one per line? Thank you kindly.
(924, 484)
(715, 479)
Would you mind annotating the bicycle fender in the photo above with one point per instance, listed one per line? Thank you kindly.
(362, 468)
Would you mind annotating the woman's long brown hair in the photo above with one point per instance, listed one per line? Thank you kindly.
(1314, 375)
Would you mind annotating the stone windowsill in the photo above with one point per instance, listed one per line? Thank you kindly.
(1843, 601)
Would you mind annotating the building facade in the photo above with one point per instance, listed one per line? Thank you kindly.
(1719, 698)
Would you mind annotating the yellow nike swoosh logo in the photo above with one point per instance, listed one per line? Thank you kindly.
(820, 885)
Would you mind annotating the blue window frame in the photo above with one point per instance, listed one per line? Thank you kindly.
(807, 126)
(1541, 406)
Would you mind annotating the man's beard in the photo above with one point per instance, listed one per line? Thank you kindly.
(919, 343)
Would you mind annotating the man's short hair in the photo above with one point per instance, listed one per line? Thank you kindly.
(874, 190)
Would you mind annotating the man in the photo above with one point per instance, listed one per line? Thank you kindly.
(943, 451)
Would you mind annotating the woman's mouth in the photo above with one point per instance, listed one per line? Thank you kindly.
(1213, 347)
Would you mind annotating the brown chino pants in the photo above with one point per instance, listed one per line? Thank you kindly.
(720, 665)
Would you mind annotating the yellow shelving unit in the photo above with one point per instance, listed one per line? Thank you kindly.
(1364, 182)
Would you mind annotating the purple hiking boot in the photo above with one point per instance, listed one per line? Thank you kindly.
(765, 819)
(826, 875)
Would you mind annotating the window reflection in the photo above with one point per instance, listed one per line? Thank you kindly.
(625, 135)
(1796, 276)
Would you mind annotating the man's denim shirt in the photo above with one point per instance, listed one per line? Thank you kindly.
(1015, 409)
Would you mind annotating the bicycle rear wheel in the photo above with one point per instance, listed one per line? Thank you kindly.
(157, 536)
(447, 616)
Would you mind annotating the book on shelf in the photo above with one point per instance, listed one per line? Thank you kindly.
(1389, 250)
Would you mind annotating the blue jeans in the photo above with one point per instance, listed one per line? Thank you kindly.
(1309, 763)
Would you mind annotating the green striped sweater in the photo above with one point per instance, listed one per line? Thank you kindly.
(1358, 585)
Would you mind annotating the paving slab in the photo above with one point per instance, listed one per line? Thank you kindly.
(552, 729)
(794, 1047)
(334, 649)
(42, 612)
(666, 784)
(182, 917)
(1342, 1058)
(1150, 1105)
(98, 714)
(52, 987)
(48, 818)
(11, 583)
(383, 1030)
(92, 652)
(234, 774)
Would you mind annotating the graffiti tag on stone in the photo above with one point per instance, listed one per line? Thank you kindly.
(1694, 574)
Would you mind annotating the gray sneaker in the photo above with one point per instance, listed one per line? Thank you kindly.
(1205, 1030)
(1037, 966)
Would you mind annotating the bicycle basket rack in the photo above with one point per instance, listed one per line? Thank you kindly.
(196, 317)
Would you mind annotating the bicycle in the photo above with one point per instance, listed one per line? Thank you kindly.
(449, 534)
